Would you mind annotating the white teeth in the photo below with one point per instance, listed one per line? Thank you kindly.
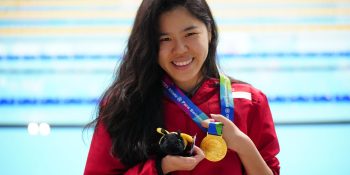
(182, 63)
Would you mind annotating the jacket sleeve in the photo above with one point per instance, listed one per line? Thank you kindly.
(101, 162)
(262, 131)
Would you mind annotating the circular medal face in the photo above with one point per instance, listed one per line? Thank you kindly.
(214, 147)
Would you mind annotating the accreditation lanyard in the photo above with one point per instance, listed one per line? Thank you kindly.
(197, 115)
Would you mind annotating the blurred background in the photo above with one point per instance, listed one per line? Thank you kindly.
(57, 58)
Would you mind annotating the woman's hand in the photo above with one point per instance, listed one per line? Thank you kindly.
(238, 141)
(234, 137)
(177, 163)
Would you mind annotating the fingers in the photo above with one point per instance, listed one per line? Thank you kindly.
(199, 154)
(175, 163)
(205, 123)
(220, 118)
(191, 162)
(215, 118)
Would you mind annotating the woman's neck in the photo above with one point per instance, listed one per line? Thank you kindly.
(190, 86)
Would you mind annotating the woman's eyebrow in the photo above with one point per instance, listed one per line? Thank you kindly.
(184, 30)
(189, 28)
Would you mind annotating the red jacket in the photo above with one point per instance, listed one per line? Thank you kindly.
(251, 114)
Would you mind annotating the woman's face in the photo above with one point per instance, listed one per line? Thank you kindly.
(184, 42)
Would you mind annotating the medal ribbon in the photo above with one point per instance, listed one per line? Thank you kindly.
(215, 128)
(197, 115)
(226, 97)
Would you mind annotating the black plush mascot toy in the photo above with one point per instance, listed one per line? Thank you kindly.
(175, 143)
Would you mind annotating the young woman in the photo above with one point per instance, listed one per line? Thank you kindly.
(173, 44)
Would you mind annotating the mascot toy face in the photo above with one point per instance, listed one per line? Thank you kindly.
(175, 143)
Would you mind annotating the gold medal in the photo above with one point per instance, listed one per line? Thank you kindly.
(214, 147)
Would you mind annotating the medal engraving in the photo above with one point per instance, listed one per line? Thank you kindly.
(214, 147)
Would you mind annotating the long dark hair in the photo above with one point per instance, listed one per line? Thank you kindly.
(131, 108)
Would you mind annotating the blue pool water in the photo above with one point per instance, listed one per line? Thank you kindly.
(58, 57)
(304, 150)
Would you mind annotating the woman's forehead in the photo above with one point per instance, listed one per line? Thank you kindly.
(178, 20)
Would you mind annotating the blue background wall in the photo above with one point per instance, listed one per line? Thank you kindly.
(57, 57)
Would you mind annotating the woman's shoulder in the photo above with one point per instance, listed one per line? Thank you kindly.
(249, 92)
(241, 90)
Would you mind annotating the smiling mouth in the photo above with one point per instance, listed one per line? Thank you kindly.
(182, 63)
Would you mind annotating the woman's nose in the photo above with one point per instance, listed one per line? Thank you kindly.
(180, 47)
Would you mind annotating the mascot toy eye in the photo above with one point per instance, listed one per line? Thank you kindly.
(175, 143)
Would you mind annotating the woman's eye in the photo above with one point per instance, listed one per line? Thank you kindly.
(190, 34)
(164, 39)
